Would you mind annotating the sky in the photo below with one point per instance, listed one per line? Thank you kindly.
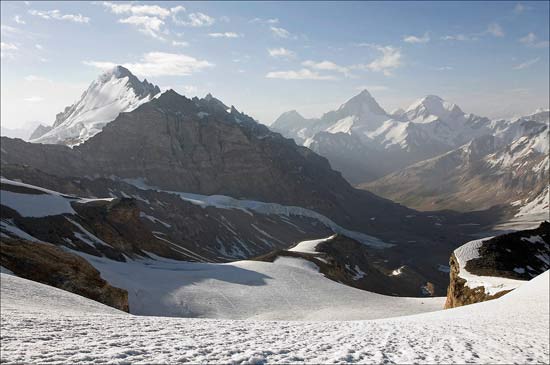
(491, 58)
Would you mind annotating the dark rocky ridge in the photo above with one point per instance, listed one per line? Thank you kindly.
(505, 255)
(349, 262)
(141, 221)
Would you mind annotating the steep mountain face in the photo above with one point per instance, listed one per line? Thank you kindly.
(114, 92)
(489, 268)
(379, 143)
(40, 131)
(509, 167)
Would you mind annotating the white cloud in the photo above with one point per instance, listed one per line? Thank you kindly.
(8, 50)
(280, 32)
(265, 21)
(159, 64)
(39, 47)
(445, 68)
(414, 39)
(280, 52)
(458, 37)
(34, 99)
(33, 78)
(224, 35)
(519, 8)
(8, 46)
(326, 66)
(303, 74)
(495, 29)
(531, 40)
(149, 25)
(177, 9)
(526, 64)
(57, 15)
(7, 30)
(390, 59)
(19, 20)
(195, 20)
(189, 89)
(134, 9)
(179, 44)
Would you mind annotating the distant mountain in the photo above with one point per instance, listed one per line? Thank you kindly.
(23, 132)
(360, 113)
(112, 93)
(507, 167)
(364, 142)
(40, 131)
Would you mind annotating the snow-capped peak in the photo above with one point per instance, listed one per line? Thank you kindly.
(113, 92)
(431, 108)
(362, 103)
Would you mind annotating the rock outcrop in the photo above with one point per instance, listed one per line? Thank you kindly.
(487, 269)
(52, 266)
(352, 263)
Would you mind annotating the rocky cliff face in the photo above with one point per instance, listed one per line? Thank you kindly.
(52, 266)
(459, 294)
(133, 223)
(487, 269)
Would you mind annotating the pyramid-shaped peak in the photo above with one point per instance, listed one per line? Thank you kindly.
(363, 103)
(365, 94)
(118, 72)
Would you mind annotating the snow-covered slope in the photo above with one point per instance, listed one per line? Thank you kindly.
(112, 93)
(287, 289)
(512, 329)
(20, 294)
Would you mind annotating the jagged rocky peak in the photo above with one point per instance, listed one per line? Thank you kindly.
(40, 131)
(214, 102)
(114, 91)
(141, 88)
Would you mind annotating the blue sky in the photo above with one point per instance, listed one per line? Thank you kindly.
(491, 58)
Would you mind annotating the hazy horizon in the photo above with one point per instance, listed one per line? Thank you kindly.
(267, 58)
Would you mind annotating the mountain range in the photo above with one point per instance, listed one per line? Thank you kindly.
(432, 155)
(198, 180)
